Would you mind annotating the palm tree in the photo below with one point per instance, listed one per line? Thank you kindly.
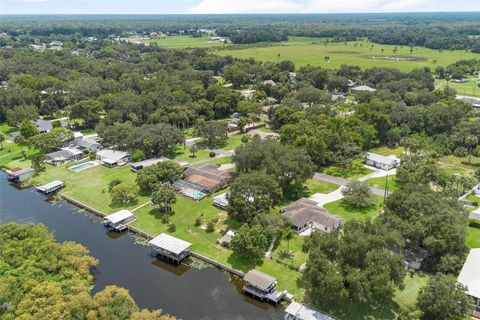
(471, 141)
(288, 234)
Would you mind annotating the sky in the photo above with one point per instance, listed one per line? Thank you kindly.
(230, 6)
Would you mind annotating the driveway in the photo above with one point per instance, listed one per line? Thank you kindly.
(323, 198)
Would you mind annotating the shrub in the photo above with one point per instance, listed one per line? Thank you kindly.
(113, 183)
(210, 226)
(198, 222)
(212, 154)
(215, 220)
(165, 218)
(172, 227)
(460, 152)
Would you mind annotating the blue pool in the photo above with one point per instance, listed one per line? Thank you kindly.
(83, 166)
(194, 194)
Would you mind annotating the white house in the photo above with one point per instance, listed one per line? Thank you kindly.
(113, 158)
(381, 162)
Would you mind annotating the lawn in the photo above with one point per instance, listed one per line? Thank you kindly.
(233, 141)
(355, 172)
(295, 256)
(304, 51)
(217, 161)
(90, 186)
(387, 151)
(452, 164)
(473, 235)
(179, 42)
(342, 209)
(185, 213)
(317, 186)
(393, 184)
(469, 88)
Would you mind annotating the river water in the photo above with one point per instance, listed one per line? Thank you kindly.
(188, 293)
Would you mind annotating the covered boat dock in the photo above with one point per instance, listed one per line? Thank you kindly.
(297, 311)
(171, 248)
(51, 187)
(262, 286)
(119, 220)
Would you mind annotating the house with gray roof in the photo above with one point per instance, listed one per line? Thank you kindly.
(44, 126)
(63, 155)
(305, 214)
(85, 144)
(113, 158)
(381, 162)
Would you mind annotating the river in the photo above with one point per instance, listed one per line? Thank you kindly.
(188, 293)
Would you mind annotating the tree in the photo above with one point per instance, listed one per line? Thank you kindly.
(249, 243)
(38, 162)
(28, 129)
(359, 263)
(429, 220)
(50, 141)
(87, 110)
(213, 132)
(164, 196)
(443, 298)
(124, 193)
(162, 172)
(358, 195)
(22, 113)
(288, 235)
(251, 194)
(2, 139)
(290, 166)
(193, 149)
(471, 142)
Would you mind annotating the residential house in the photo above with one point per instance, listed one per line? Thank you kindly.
(64, 155)
(413, 258)
(113, 158)
(305, 215)
(137, 166)
(198, 182)
(44, 126)
(474, 102)
(264, 135)
(171, 248)
(381, 162)
(85, 144)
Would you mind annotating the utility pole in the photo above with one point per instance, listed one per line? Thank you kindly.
(386, 188)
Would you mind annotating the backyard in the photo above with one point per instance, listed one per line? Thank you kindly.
(342, 209)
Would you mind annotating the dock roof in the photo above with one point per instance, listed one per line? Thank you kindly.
(119, 216)
(301, 312)
(470, 274)
(169, 243)
(258, 279)
(51, 185)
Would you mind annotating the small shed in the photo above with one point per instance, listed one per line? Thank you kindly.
(171, 248)
(18, 175)
(227, 238)
(119, 220)
(51, 187)
(297, 311)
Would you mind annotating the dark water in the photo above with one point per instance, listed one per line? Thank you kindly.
(182, 291)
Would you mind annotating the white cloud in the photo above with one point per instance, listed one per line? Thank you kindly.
(306, 6)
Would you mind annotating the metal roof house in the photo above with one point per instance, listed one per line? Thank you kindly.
(113, 158)
(51, 187)
(470, 277)
(137, 166)
(18, 175)
(306, 214)
(85, 144)
(119, 220)
(262, 286)
(474, 102)
(297, 311)
(171, 248)
(63, 155)
(381, 162)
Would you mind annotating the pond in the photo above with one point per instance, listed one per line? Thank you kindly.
(188, 293)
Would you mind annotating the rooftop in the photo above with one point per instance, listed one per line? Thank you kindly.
(148, 162)
(470, 274)
(119, 216)
(301, 312)
(305, 210)
(169, 243)
(364, 88)
(113, 155)
(381, 159)
(259, 279)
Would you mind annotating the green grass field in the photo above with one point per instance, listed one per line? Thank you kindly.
(393, 184)
(303, 51)
(179, 42)
(317, 186)
(473, 236)
(469, 88)
(356, 171)
(387, 151)
(342, 209)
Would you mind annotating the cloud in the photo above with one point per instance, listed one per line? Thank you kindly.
(307, 6)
